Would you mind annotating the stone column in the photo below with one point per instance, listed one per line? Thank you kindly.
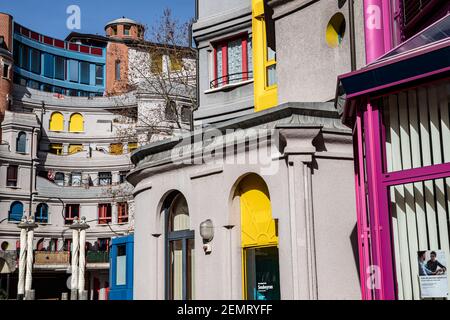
(300, 151)
(22, 260)
(75, 249)
(82, 293)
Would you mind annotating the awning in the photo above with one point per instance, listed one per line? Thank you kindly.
(425, 55)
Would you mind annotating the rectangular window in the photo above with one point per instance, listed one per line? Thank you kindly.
(60, 68)
(56, 148)
(232, 61)
(35, 61)
(85, 72)
(123, 176)
(105, 178)
(117, 70)
(49, 65)
(72, 211)
(122, 209)
(104, 213)
(132, 146)
(73, 71)
(11, 180)
(126, 30)
(416, 127)
(6, 71)
(75, 148)
(99, 75)
(24, 57)
(76, 179)
(116, 148)
(121, 265)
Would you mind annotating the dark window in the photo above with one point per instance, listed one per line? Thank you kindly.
(103, 244)
(99, 75)
(49, 65)
(126, 30)
(11, 179)
(15, 212)
(123, 176)
(105, 178)
(6, 71)
(60, 68)
(117, 70)
(24, 57)
(41, 215)
(59, 179)
(85, 72)
(35, 61)
(104, 213)
(186, 114)
(171, 111)
(21, 143)
(33, 84)
(72, 211)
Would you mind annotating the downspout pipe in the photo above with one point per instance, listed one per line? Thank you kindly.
(377, 28)
(351, 13)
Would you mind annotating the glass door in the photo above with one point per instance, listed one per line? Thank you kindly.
(262, 276)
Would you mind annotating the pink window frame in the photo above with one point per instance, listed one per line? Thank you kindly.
(375, 235)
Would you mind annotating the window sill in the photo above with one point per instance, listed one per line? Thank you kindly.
(228, 87)
(13, 187)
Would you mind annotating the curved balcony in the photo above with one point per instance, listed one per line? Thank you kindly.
(231, 79)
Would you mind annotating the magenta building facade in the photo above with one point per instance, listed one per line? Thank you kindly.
(398, 107)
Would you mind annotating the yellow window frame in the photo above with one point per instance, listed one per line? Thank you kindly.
(57, 148)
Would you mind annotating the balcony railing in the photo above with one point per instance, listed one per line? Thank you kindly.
(231, 79)
(45, 258)
(97, 256)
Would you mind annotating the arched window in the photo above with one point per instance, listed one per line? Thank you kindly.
(76, 123)
(21, 142)
(56, 122)
(180, 249)
(259, 240)
(41, 215)
(16, 211)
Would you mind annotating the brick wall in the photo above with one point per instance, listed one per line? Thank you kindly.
(116, 52)
(6, 29)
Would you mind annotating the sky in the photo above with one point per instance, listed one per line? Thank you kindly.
(49, 17)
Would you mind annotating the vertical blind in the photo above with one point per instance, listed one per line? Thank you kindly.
(418, 135)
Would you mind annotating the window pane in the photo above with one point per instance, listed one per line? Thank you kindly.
(60, 67)
(419, 213)
(98, 75)
(85, 72)
(271, 75)
(73, 70)
(49, 65)
(176, 270)
(219, 65)
(417, 123)
(235, 61)
(121, 265)
(250, 57)
(76, 179)
(262, 274)
(117, 70)
(35, 61)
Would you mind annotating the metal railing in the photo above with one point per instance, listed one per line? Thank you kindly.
(97, 256)
(230, 79)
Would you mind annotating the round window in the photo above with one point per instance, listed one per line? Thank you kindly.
(5, 245)
(335, 30)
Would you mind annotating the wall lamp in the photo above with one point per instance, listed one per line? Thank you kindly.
(207, 234)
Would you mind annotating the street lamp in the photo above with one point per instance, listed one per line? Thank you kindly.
(79, 228)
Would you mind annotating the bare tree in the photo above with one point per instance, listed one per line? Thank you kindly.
(161, 75)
